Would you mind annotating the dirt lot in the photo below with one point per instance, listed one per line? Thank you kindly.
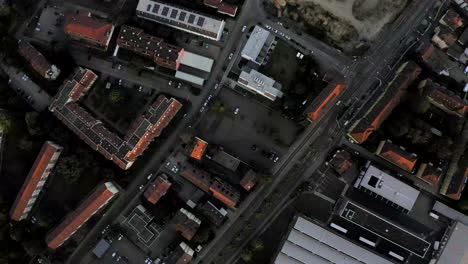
(343, 23)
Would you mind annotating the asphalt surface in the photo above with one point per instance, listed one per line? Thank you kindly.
(361, 76)
(367, 69)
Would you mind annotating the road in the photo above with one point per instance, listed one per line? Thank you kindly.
(361, 76)
(163, 151)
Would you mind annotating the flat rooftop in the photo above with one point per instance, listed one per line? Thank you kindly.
(456, 249)
(255, 43)
(383, 229)
(309, 243)
(387, 186)
(181, 18)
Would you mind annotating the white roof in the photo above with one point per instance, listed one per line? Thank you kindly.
(196, 61)
(180, 18)
(456, 250)
(388, 187)
(189, 78)
(255, 43)
(308, 243)
(259, 82)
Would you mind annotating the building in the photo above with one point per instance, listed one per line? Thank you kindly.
(456, 248)
(98, 198)
(452, 19)
(198, 177)
(258, 45)
(341, 161)
(226, 160)
(309, 243)
(430, 174)
(395, 240)
(444, 37)
(385, 103)
(183, 254)
(151, 47)
(37, 61)
(221, 7)
(463, 39)
(327, 96)
(186, 223)
(157, 189)
(212, 213)
(396, 155)
(101, 248)
(34, 183)
(212, 185)
(379, 183)
(225, 193)
(181, 18)
(194, 68)
(123, 152)
(249, 180)
(454, 184)
(258, 83)
(83, 27)
(444, 99)
(198, 149)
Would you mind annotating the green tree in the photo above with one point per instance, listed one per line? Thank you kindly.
(442, 147)
(257, 245)
(117, 96)
(6, 123)
(34, 125)
(203, 236)
(70, 168)
(247, 255)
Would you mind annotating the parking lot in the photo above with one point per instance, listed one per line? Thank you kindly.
(246, 128)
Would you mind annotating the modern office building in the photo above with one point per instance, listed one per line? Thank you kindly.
(98, 198)
(387, 187)
(258, 45)
(37, 177)
(258, 83)
(309, 243)
(37, 61)
(181, 18)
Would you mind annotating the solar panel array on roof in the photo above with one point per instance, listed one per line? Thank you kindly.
(181, 18)
(191, 18)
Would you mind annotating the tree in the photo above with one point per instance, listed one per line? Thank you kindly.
(203, 236)
(6, 123)
(247, 255)
(399, 127)
(442, 147)
(34, 125)
(70, 168)
(117, 96)
(25, 144)
(34, 246)
(257, 245)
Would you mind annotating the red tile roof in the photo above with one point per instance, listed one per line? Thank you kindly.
(186, 223)
(223, 8)
(399, 157)
(249, 180)
(74, 220)
(45, 160)
(326, 97)
(157, 189)
(445, 99)
(225, 193)
(385, 103)
(430, 174)
(37, 61)
(341, 161)
(82, 26)
(199, 149)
